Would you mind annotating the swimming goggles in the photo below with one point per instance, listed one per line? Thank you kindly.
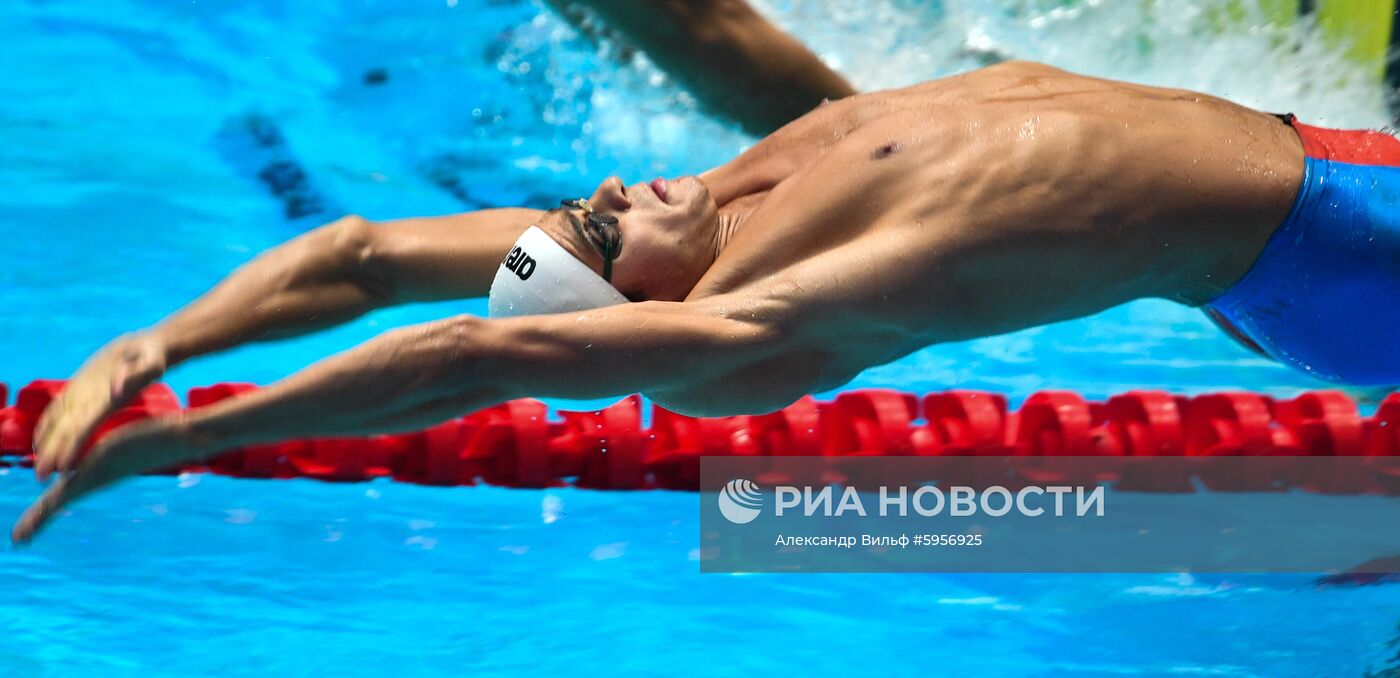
(603, 233)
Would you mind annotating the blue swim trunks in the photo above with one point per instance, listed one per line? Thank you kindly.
(1324, 296)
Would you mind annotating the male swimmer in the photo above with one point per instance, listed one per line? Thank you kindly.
(869, 228)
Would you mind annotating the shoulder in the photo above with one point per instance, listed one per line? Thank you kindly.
(1023, 68)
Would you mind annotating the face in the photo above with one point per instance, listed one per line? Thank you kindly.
(668, 236)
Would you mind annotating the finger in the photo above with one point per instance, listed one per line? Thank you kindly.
(41, 430)
(51, 433)
(129, 376)
(79, 432)
(47, 442)
(49, 419)
(44, 436)
(42, 511)
(41, 460)
(37, 515)
(67, 489)
(96, 471)
(66, 444)
(64, 453)
(126, 381)
(116, 390)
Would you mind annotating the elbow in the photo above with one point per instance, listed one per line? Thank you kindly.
(356, 245)
(465, 346)
(757, 322)
(447, 357)
(351, 238)
(754, 339)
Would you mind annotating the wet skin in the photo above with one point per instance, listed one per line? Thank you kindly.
(871, 227)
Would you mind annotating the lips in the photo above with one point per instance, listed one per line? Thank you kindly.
(658, 186)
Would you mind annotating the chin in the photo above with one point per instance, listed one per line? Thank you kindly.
(697, 194)
(690, 186)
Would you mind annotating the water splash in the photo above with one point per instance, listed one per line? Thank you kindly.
(635, 121)
(1250, 59)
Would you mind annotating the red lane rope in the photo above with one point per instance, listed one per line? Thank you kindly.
(518, 444)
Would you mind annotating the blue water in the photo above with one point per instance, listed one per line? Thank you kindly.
(132, 136)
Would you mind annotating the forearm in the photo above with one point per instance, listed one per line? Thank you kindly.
(639, 347)
(419, 376)
(402, 380)
(309, 283)
(780, 79)
(738, 63)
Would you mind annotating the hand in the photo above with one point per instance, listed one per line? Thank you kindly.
(134, 448)
(109, 380)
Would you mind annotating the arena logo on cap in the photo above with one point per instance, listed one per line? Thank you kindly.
(520, 263)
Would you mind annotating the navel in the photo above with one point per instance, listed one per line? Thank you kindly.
(886, 150)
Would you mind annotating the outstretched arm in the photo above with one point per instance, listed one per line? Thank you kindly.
(418, 376)
(735, 61)
(343, 270)
(325, 277)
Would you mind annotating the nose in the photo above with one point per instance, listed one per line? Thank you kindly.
(611, 196)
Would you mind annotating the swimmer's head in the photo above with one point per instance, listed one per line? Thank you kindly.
(665, 235)
(650, 241)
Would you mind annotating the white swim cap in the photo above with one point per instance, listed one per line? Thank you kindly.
(539, 276)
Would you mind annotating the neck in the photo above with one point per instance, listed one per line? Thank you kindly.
(733, 217)
(725, 230)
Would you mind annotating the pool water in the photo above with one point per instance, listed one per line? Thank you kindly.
(147, 148)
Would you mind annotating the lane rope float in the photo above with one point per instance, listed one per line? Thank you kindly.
(520, 444)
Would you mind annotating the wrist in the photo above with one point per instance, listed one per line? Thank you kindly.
(156, 443)
(165, 346)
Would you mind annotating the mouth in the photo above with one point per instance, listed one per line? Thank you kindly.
(658, 186)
